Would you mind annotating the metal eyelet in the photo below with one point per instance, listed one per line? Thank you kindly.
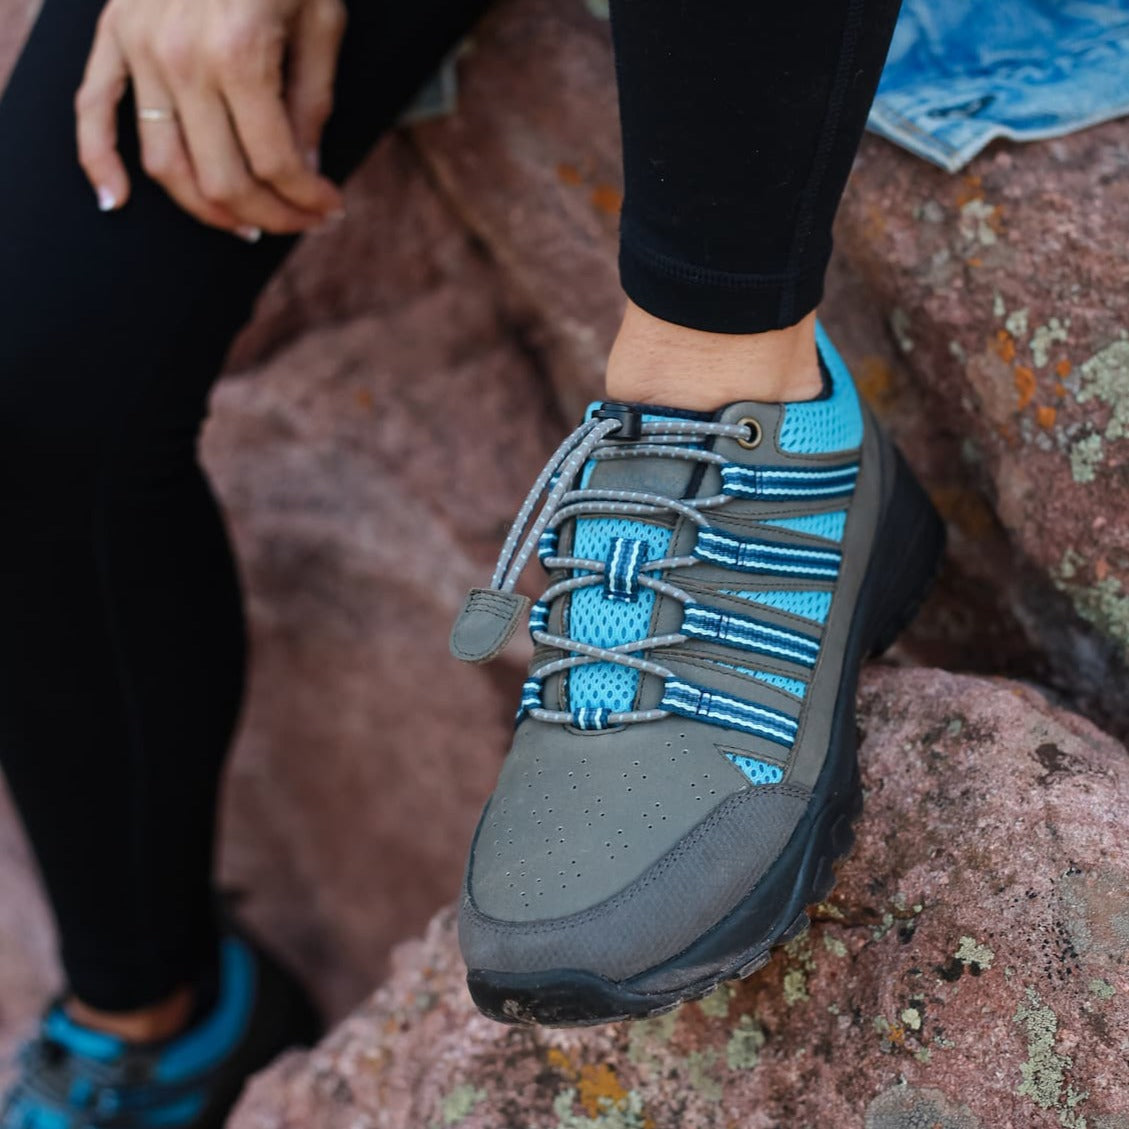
(756, 432)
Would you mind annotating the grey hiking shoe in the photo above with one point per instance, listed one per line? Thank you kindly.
(683, 773)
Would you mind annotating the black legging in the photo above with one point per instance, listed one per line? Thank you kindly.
(121, 637)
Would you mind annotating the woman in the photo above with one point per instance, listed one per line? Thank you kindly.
(212, 135)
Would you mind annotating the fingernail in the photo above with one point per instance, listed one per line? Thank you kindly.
(313, 159)
(107, 201)
(331, 222)
(250, 234)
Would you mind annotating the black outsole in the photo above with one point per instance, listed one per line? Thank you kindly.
(906, 558)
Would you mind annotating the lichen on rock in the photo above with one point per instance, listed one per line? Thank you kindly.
(901, 1034)
(910, 1107)
(742, 1052)
(970, 952)
(624, 1114)
(1045, 1071)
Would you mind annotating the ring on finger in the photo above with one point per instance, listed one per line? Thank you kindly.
(156, 114)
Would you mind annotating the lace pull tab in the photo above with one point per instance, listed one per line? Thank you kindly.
(486, 624)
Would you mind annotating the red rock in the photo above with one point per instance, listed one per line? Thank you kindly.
(368, 471)
(15, 20)
(400, 238)
(27, 973)
(969, 971)
(531, 163)
(974, 620)
(1003, 291)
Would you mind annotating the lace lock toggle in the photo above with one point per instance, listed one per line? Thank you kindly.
(630, 419)
(486, 624)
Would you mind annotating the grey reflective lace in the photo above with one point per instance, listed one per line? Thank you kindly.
(595, 440)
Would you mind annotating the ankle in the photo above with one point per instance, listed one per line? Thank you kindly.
(161, 1020)
(657, 362)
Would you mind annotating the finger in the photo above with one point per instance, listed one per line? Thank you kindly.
(272, 151)
(96, 119)
(251, 81)
(164, 156)
(312, 68)
(221, 171)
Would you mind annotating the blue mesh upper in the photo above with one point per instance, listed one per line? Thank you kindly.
(810, 605)
(791, 685)
(816, 427)
(829, 525)
(758, 771)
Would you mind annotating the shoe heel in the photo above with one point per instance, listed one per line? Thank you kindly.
(908, 552)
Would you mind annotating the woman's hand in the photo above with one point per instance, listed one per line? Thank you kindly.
(241, 90)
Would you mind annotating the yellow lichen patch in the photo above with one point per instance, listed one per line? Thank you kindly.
(1024, 385)
(1009, 435)
(598, 1088)
(975, 261)
(874, 221)
(965, 509)
(1004, 346)
(559, 1061)
(607, 199)
(1059, 389)
(1062, 370)
(568, 174)
(971, 190)
(874, 379)
(826, 911)
(1045, 417)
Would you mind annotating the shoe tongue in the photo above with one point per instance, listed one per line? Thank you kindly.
(82, 1041)
(596, 616)
(670, 477)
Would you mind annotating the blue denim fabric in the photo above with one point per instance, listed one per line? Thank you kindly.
(962, 72)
